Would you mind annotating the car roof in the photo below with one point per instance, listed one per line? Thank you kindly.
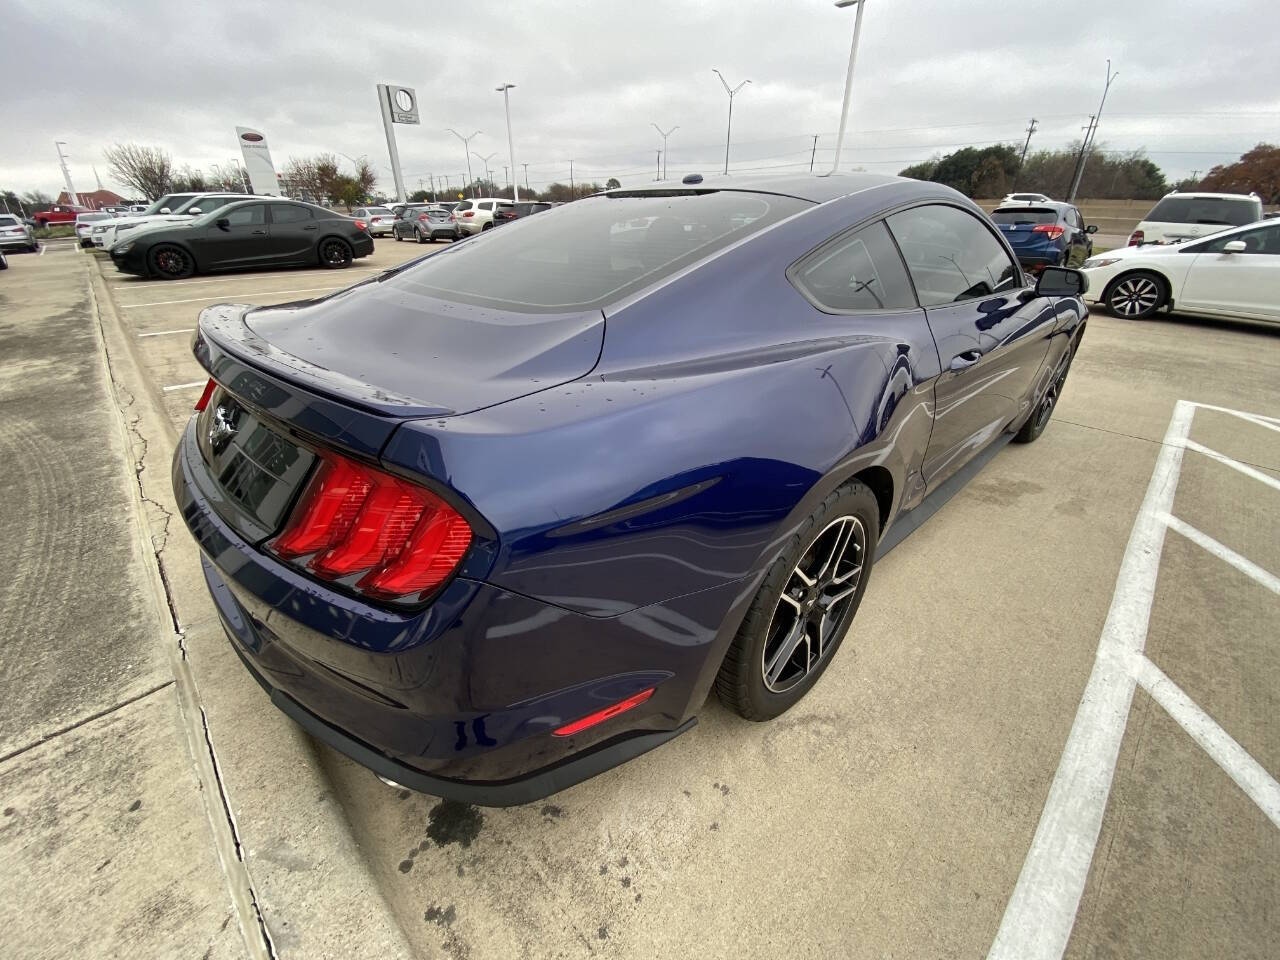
(1200, 195)
(804, 186)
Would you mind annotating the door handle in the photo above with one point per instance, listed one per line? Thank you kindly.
(312, 227)
(259, 233)
(962, 361)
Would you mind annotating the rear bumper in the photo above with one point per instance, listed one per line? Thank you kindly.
(20, 243)
(460, 699)
(362, 245)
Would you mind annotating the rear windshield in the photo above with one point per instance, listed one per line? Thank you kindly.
(1222, 210)
(592, 252)
(380, 211)
(1024, 215)
(463, 205)
(90, 217)
(6, 221)
(1024, 196)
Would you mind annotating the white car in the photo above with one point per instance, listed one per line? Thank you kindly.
(1025, 198)
(84, 226)
(1187, 216)
(476, 216)
(177, 208)
(1235, 273)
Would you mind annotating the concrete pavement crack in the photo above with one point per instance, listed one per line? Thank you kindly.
(81, 722)
(1158, 443)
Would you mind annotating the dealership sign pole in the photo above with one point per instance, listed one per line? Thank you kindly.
(399, 105)
(257, 162)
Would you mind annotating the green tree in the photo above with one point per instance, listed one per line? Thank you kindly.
(419, 196)
(971, 170)
(613, 184)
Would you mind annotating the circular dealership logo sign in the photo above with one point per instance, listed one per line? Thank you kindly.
(251, 137)
(404, 100)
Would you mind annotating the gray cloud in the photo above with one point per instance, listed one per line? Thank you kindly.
(1198, 81)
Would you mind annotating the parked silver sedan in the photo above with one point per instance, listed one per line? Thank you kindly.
(378, 219)
(17, 234)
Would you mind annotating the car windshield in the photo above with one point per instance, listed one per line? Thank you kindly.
(592, 252)
(1025, 215)
(1228, 211)
(169, 200)
(206, 204)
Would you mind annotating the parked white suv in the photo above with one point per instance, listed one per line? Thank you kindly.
(1189, 216)
(474, 216)
(169, 209)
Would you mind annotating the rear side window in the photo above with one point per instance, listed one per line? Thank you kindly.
(595, 251)
(288, 213)
(952, 256)
(858, 271)
(1227, 211)
(1024, 215)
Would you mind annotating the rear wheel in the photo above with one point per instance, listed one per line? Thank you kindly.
(335, 253)
(422, 238)
(170, 262)
(487, 226)
(1135, 296)
(396, 234)
(804, 607)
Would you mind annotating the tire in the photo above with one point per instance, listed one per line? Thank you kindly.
(335, 253)
(396, 234)
(422, 239)
(487, 226)
(1043, 412)
(168, 261)
(1136, 296)
(759, 679)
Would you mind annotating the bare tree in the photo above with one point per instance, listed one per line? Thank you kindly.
(189, 179)
(227, 179)
(149, 170)
(305, 179)
(366, 179)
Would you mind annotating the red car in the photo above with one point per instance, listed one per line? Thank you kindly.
(59, 213)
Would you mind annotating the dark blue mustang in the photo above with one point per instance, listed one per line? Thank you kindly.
(499, 519)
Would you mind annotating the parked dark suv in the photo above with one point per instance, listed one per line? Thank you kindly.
(1049, 234)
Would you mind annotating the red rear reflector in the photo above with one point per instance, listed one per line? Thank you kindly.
(355, 519)
(1135, 238)
(205, 395)
(600, 716)
(469, 213)
(1052, 229)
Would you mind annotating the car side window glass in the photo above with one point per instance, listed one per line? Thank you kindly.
(951, 255)
(856, 271)
(1264, 240)
(288, 213)
(255, 213)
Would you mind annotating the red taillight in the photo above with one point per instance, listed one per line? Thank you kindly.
(423, 216)
(354, 519)
(1052, 229)
(205, 395)
(361, 225)
(1136, 238)
(469, 213)
(452, 218)
(600, 716)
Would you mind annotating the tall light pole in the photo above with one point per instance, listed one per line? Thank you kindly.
(466, 146)
(1089, 138)
(729, 129)
(485, 161)
(848, 79)
(505, 90)
(72, 197)
(526, 176)
(664, 144)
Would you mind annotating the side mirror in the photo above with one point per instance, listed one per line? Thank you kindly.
(165, 210)
(1091, 228)
(1061, 282)
(194, 210)
(1235, 246)
(224, 224)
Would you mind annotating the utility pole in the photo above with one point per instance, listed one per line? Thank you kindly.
(1031, 128)
(814, 154)
(848, 78)
(466, 146)
(1078, 171)
(72, 198)
(1097, 118)
(526, 176)
(728, 131)
(664, 145)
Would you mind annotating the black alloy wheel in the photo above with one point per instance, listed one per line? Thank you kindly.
(170, 262)
(335, 253)
(804, 607)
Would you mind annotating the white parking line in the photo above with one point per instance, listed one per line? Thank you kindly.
(217, 296)
(165, 333)
(1038, 919)
(1249, 775)
(1224, 553)
(1244, 468)
(147, 284)
(186, 386)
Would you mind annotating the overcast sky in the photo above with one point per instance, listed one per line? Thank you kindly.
(1199, 82)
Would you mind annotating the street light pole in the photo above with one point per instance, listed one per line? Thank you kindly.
(848, 79)
(729, 129)
(466, 147)
(485, 161)
(505, 90)
(664, 145)
(526, 176)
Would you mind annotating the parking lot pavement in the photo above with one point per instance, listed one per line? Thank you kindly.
(895, 810)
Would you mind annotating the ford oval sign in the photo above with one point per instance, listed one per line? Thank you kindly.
(251, 137)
